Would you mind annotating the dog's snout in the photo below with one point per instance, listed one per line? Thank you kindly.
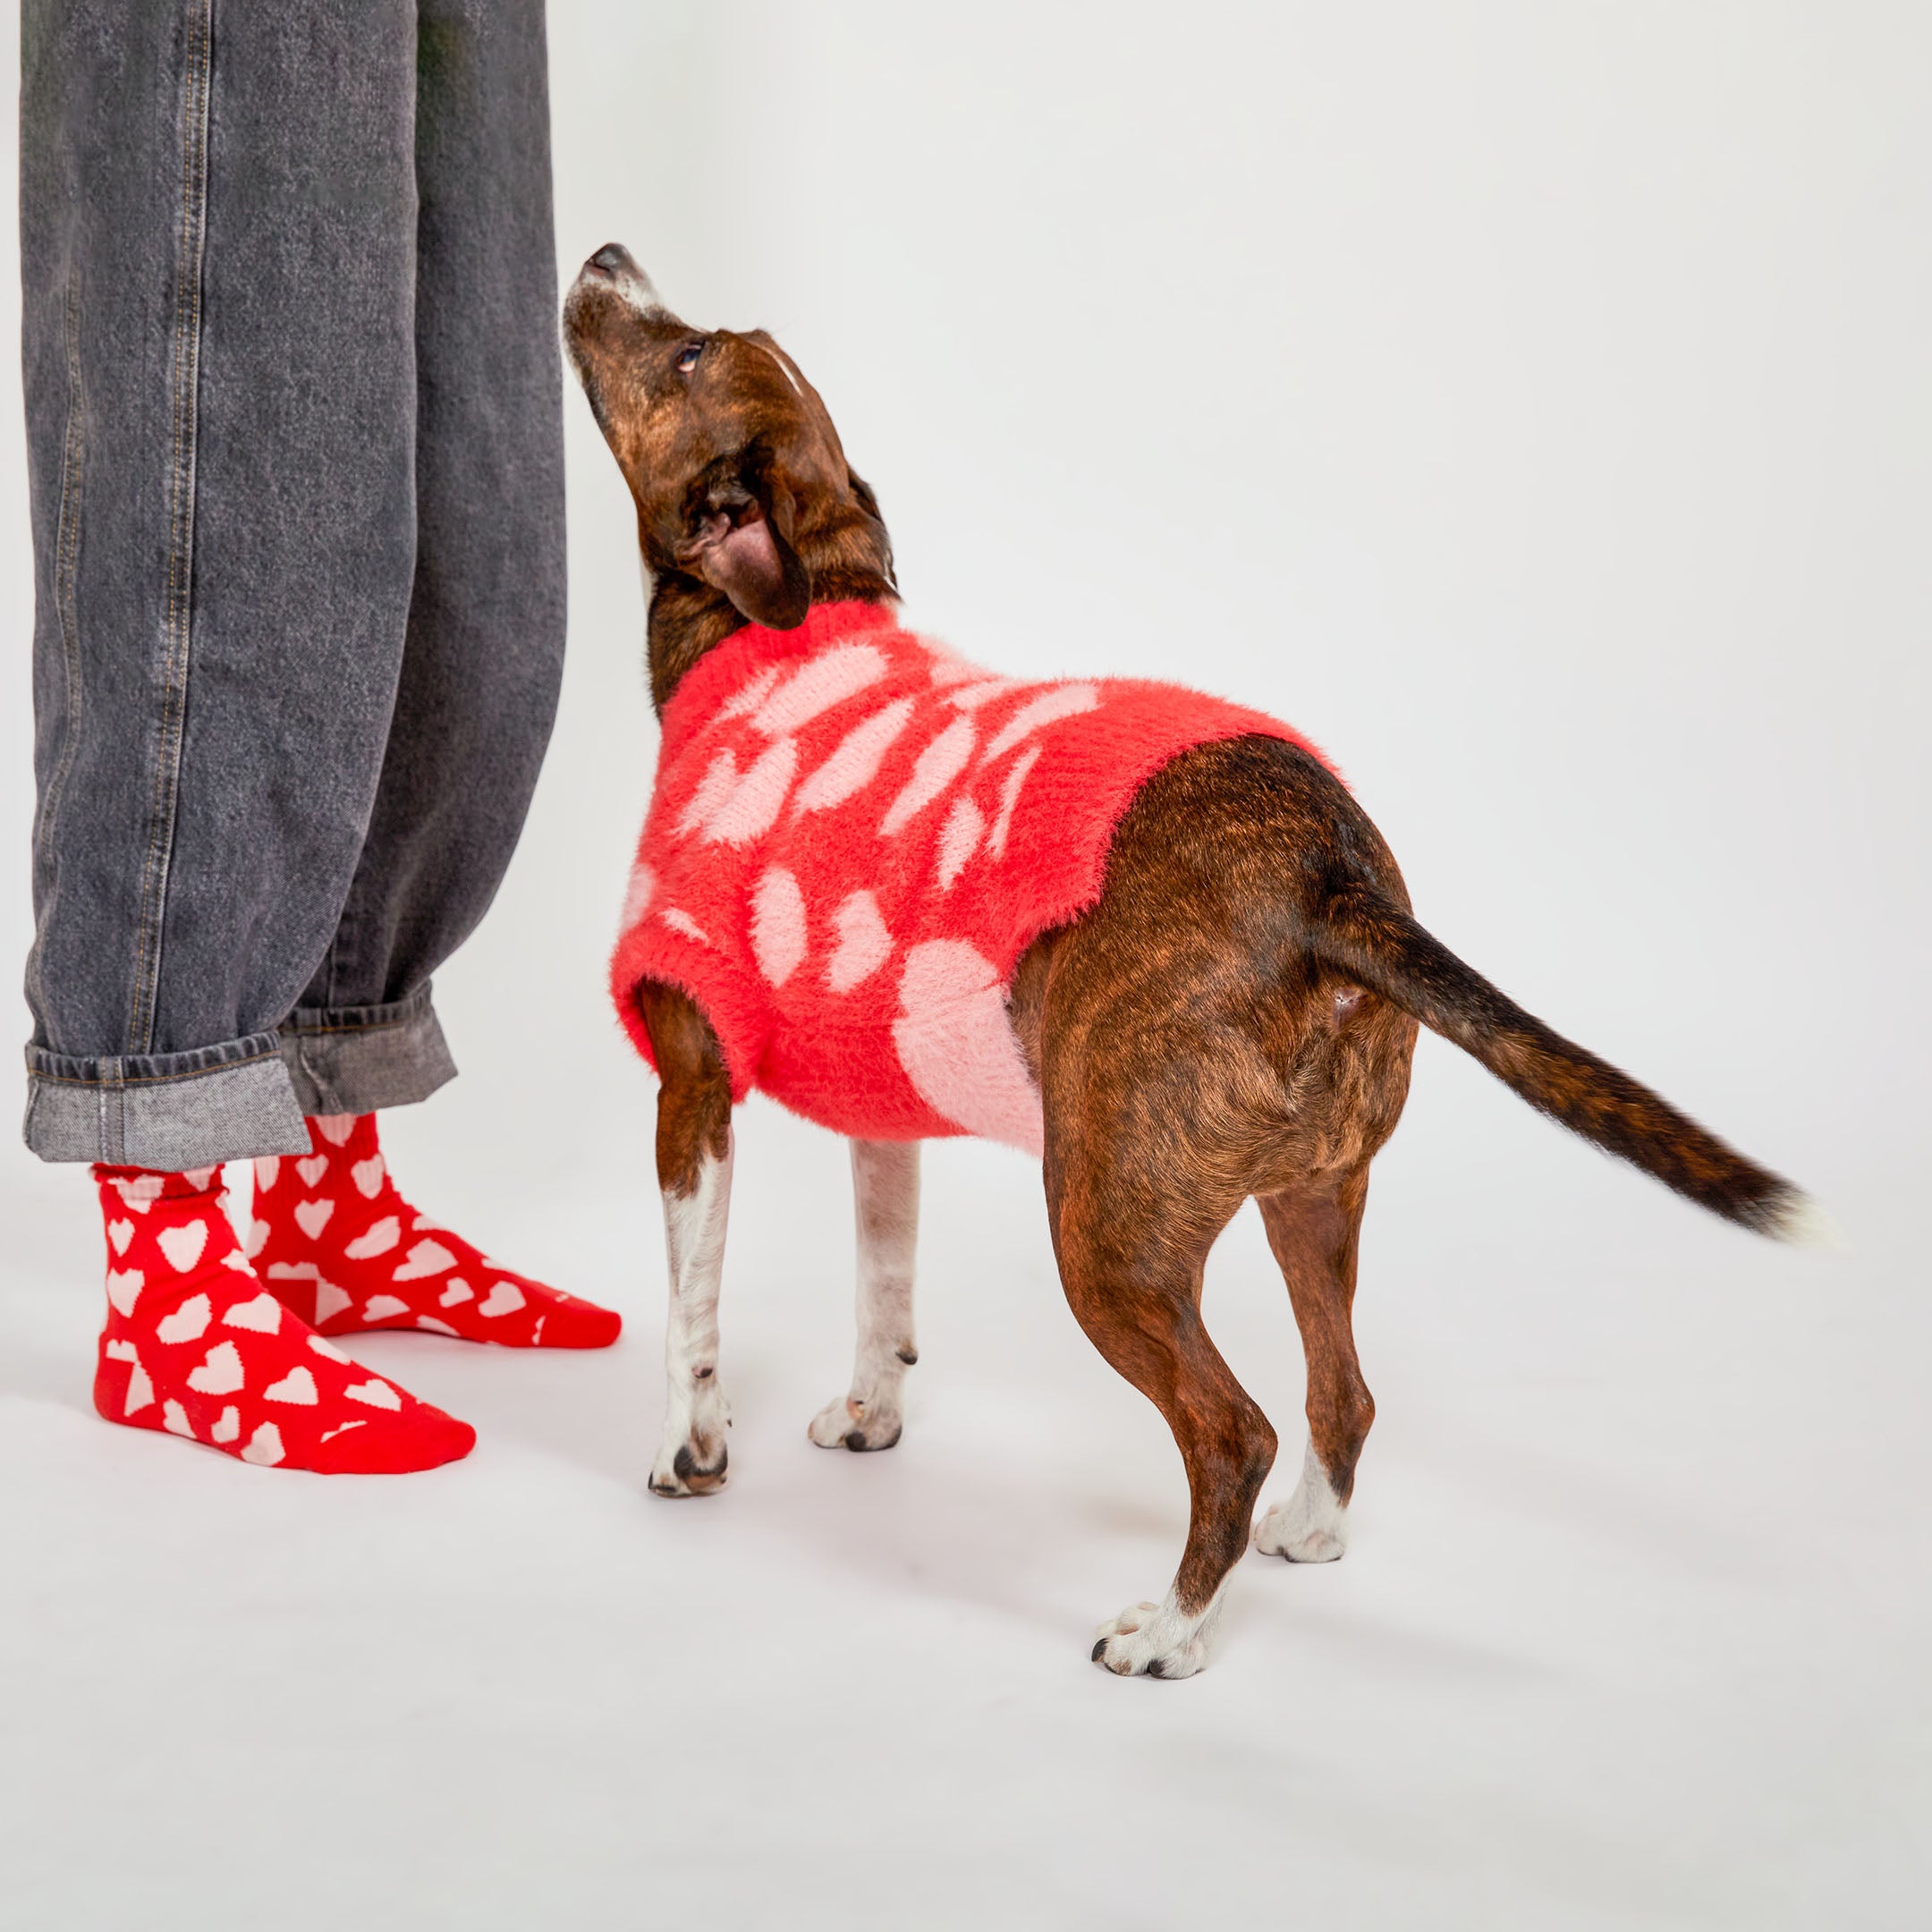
(614, 259)
(613, 268)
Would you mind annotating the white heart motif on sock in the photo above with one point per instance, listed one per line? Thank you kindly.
(141, 1192)
(183, 1244)
(432, 1322)
(329, 1299)
(174, 1419)
(334, 1128)
(188, 1323)
(378, 1240)
(139, 1390)
(312, 1167)
(381, 1307)
(298, 1386)
(376, 1394)
(263, 1314)
(322, 1345)
(504, 1299)
(227, 1426)
(368, 1176)
(253, 1241)
(220, 1374)
(426, 1257)
(119, 1352)
(458, 1290)
(311, 1217)
(120, 1232)
(265, 1446)
(122, 1285)
(267, 1167)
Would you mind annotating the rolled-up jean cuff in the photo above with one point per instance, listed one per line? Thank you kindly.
(167, 1110)
(356, 1059)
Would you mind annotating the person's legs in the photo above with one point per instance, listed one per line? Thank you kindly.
(481, 666)
(218, 246)
(484, 653)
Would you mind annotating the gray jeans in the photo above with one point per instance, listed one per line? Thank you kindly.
(295, 439)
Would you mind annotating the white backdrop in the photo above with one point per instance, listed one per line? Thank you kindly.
(1530, 402)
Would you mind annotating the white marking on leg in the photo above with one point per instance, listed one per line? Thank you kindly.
(1159, 1639)
(695, 1413)
(1311, 1526)
(886, 1180)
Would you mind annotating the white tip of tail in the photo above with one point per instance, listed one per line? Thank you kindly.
(1801, 1221)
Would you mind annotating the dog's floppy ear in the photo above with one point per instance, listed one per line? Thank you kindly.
(740, 516)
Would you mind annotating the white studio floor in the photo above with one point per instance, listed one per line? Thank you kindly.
(1632, 1632)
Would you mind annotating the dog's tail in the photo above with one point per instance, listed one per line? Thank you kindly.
(1364, 934)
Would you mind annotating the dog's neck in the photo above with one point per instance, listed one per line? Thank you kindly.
(849, 559)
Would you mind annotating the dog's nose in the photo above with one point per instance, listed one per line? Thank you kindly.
(613, 263)
(613, 259)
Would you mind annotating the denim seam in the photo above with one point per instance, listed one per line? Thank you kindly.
(366, 1026)
(66, 568)
(405, 1011)
(184, 381)
(117, 1079)
(113, 1113)
(67, 549)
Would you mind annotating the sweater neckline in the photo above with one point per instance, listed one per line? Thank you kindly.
(725, 667)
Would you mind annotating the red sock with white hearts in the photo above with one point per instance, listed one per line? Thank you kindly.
(333, 1238)
(195, 1345)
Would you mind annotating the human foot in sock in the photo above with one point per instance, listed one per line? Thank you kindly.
(195, 1345)
(338, 1243)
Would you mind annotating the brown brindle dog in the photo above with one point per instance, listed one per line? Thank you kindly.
(1236, 1016)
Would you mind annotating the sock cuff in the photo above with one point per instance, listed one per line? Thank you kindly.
(148, 1184)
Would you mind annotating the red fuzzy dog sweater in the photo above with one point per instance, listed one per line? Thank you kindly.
(854, 836)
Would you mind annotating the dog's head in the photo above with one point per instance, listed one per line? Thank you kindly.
(743, 495)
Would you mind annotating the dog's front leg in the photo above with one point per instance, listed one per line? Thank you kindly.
(694, 1171)
(886, 1201)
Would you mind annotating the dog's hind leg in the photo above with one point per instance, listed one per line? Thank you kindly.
(886, 1181)
(1131, 1261)
(1313, 1232)
(694, 1171)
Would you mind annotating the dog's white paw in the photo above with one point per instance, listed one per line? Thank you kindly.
(1312, 1525)
(692, 1459)
(846, 1422)
(1153, 1640)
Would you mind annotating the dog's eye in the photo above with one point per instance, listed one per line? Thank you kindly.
(688, 358)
